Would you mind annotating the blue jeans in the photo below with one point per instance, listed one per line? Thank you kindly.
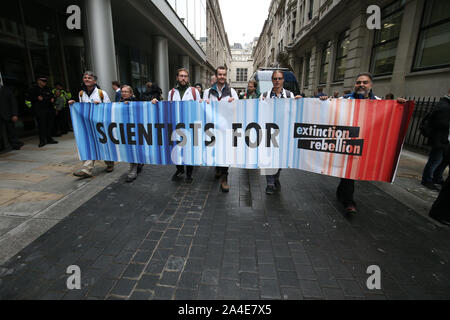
(434, 170)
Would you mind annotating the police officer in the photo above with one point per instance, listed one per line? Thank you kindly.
(42, 100)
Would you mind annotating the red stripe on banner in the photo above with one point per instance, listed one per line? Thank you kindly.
(370, 123)
(408, 110)
(383, 109)
(351, 171)
(385, 168)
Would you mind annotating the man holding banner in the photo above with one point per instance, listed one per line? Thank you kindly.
(183, 92)
(363, 90)
(277, 92)
(221, 91)
(91, 94)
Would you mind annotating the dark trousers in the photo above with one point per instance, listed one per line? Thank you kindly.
(10, 132)
(272, 179)
(441, 208)
(46, 123)
(437, 163)
(189, 170)
(223, 171)
(345, 192)
(61, 123)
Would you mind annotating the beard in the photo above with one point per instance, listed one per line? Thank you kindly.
(362, 91)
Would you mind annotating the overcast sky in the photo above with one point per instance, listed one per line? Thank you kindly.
(244, 17)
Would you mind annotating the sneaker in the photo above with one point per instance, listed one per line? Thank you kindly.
(431, 186)
(131, 177)
(177, 175)
(82, 174)
(351, 209)
(270, 190)
(51, 141)
(109, 169)
(224, 185)
(440, 182)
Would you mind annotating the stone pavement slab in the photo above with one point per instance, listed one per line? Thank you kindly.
(158, 239)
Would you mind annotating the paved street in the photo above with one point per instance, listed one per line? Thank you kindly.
(156, 239)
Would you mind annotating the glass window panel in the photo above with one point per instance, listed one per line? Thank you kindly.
(384, 58)
(436, 11)
(434, 47)
(390, 28)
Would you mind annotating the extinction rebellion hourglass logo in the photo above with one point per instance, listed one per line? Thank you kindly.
(330, 139)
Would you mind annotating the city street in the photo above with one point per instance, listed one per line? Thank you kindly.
(158, 239)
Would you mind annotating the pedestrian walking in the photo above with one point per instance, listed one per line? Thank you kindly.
(9, 115)
(221, 91)
(277, 92)
(439, 128)
(42, 100)
(252, 92)
(441, 208)
(183, 92)
(91, 93)
(363, 90)
(116, 87)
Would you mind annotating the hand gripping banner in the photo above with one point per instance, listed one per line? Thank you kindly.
(353, 139)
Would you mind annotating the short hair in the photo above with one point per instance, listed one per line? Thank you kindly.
(90, 74)
(365, 74)
(221, 68)
(320, 89)
(129, 87)
(254, 82)
(390, 96)
(181, 70)
(278, 71)
(199, 85)
(148, 84)
(116, 83)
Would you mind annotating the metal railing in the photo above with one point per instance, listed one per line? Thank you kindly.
(414, 139)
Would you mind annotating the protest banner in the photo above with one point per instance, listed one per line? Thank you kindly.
(353, 139)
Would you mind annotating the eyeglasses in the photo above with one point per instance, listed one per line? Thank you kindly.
(277, 79)
(362, 82)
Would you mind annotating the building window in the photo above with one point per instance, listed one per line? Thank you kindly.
(386, 40)
(434, 38)
(307, 70)
(311, 9)
(325, 62)
(341, 55)
(241, 75)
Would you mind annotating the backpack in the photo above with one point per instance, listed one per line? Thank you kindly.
(425, 126)
(100, 94)
(288, 94)
(194, 94)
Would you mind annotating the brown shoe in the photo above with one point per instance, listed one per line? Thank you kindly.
(224, 185)
(82, 174)
(109, 169)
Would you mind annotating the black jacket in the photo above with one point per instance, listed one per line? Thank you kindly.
(46, 104)
(440, 124)
(8, 104)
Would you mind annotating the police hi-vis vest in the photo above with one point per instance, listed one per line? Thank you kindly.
(174, 95)
(95, 97)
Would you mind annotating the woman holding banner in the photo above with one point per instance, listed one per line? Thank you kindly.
(127, 97)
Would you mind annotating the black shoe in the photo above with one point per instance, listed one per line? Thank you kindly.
(351, 210)
(431, 186)
(20, 144)
(218, 174)
(177, 175)
(140, 168)
(440, 182)
(278, 185)
(270, 190)
(51, 141)
(42, 144)
(189, 179)
(16, 147)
